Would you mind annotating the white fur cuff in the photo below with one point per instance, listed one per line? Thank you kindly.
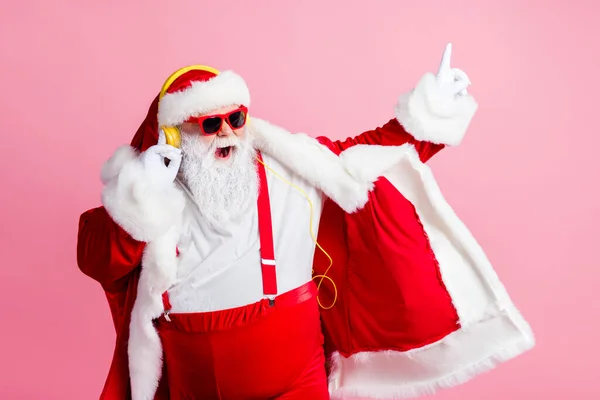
(430, 115)
(142, 209)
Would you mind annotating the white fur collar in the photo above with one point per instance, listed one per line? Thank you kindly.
(346, 179)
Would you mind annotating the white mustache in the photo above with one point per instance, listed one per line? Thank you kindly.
(227, 141)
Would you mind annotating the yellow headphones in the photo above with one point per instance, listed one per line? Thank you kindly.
(172, 132)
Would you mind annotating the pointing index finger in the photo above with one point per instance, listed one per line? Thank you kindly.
(445, 63)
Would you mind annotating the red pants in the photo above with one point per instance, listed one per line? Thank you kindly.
(252, 352)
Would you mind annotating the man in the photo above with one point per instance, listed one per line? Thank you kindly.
(205, 248)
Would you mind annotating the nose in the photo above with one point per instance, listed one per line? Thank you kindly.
(225, 130)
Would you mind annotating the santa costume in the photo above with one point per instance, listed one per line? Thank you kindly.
(397, 300)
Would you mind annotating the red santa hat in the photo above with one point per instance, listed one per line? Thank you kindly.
(187, 92)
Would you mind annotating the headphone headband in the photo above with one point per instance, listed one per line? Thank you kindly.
(172, 134)
(182, 71)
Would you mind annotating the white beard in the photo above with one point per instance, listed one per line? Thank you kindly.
(223, 190)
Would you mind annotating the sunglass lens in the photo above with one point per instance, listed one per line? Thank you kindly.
(237, 119)
(211, 125)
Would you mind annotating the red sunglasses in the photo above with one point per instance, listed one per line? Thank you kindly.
(211, 124)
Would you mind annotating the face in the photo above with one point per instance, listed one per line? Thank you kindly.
(222, 152)
(219, 170)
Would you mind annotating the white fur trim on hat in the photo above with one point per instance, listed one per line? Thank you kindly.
(225, 89)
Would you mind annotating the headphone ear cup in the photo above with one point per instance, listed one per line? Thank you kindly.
(172, 135)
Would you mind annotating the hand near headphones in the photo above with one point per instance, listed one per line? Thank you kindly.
(153, 161)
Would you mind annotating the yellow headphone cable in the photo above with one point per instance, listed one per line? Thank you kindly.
(324, 275)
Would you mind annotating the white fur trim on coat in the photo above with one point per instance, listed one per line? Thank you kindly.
(134, 203)
(452, 361)
(158, 274)
(429, 114)
(153, 215)
(309, 159)
(225, 89)
(491, 331)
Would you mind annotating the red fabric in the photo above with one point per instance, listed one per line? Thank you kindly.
(390, 134)
(265, 233)
(102, 243)
(411, 307)
(107, 254)
(255, 351)
(185, 81)
(166, 302)
(147, 133)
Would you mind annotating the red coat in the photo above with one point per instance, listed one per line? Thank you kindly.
(418, 305)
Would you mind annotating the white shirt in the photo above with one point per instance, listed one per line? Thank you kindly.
(219, 268)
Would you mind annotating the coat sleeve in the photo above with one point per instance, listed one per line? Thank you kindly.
(426, 117)
(105, 252)
(392, 133)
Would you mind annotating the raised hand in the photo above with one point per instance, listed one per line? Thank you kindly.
(452, 81)
(439, 109)
(139, 192)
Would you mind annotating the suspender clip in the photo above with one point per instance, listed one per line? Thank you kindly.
(271, 300)
(166, 314)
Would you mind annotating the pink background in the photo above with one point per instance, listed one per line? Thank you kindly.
(77, 80)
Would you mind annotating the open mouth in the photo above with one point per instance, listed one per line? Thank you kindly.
(223, 153)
